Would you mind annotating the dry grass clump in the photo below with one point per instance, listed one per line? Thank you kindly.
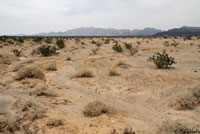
(96, 108)
(128, 131)
(55, 122)
(187, 100)
(3, 124)
(4, 60)
(84, 73)
(30, 72)
(33, 111)
(184, 101)
(16, 68)
(51, 67)
(44, 90)
(172, 127)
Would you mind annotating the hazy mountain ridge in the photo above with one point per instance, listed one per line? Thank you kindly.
(183, 31)
(91, 31)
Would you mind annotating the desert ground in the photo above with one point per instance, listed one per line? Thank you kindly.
(87, 87)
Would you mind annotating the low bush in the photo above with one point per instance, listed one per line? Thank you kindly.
(95, 108)
(162, 60)
(51, 67)
(29, 72)
(4, 60)
(17, 52)
(43, 90)
(117, 48)
(84, 73)
(60, 44)
(47, 50)
(55, 122)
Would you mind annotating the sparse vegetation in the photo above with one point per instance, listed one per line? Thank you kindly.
(17, 67)
(128, 131)
(95, 108)
(117, 48)
(55, 122)
(33, 111)
(60, 44)
(17, 52)
(30, 72)
(113, 72)
(175, 44)
(51, 66)
(187, 100)
(4, 60)
(162, 60)
(43, 90)
(47, 50)
(84, 73)
(172, 127)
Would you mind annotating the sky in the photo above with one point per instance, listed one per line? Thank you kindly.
(35, 16)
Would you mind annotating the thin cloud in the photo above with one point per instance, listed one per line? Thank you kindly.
(33, 16)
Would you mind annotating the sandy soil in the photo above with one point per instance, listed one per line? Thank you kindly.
(140, 94)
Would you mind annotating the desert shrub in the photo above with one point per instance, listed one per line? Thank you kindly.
(38, 39)
(138, 42)
(98, 44)
(174, 43)
(51, 67)
(60, 44)
(123, 64)
(35, 51)
(107, 41)
(47, 50)
(43, 90)
(84, 73)
(128, 45)
(33, 110)
(3, 124)
(93, 42)
(128, 131)
(172, 127)
(17, 52)
(30, 72)
(184, 101)
(162, 60)
(113, 72)
(48, 40)
(17, 67)
(20, 40)
(117, 48)
(95, 108)
(10, 42)
(133, 51)
(187, 38)
(196, 92)
(55, 122)
(166, 43)
(4, 60)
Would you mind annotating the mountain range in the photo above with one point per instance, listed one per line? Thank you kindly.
(91, 31)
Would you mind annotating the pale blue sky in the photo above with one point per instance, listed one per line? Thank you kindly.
(34, 16)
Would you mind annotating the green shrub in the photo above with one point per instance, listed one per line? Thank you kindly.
(48, 40)
(60, 44)
(117, 48)
(38, 39)
(107, 41)
(20, 40)
(17, 52)
(162, 60)
(128, 45)
(47, 50)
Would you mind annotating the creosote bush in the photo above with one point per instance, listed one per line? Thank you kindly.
(117, 48)
(162, 60)
(95, 108)
(17, 52)
(60, 44)
(47, 50)
(30, 72)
